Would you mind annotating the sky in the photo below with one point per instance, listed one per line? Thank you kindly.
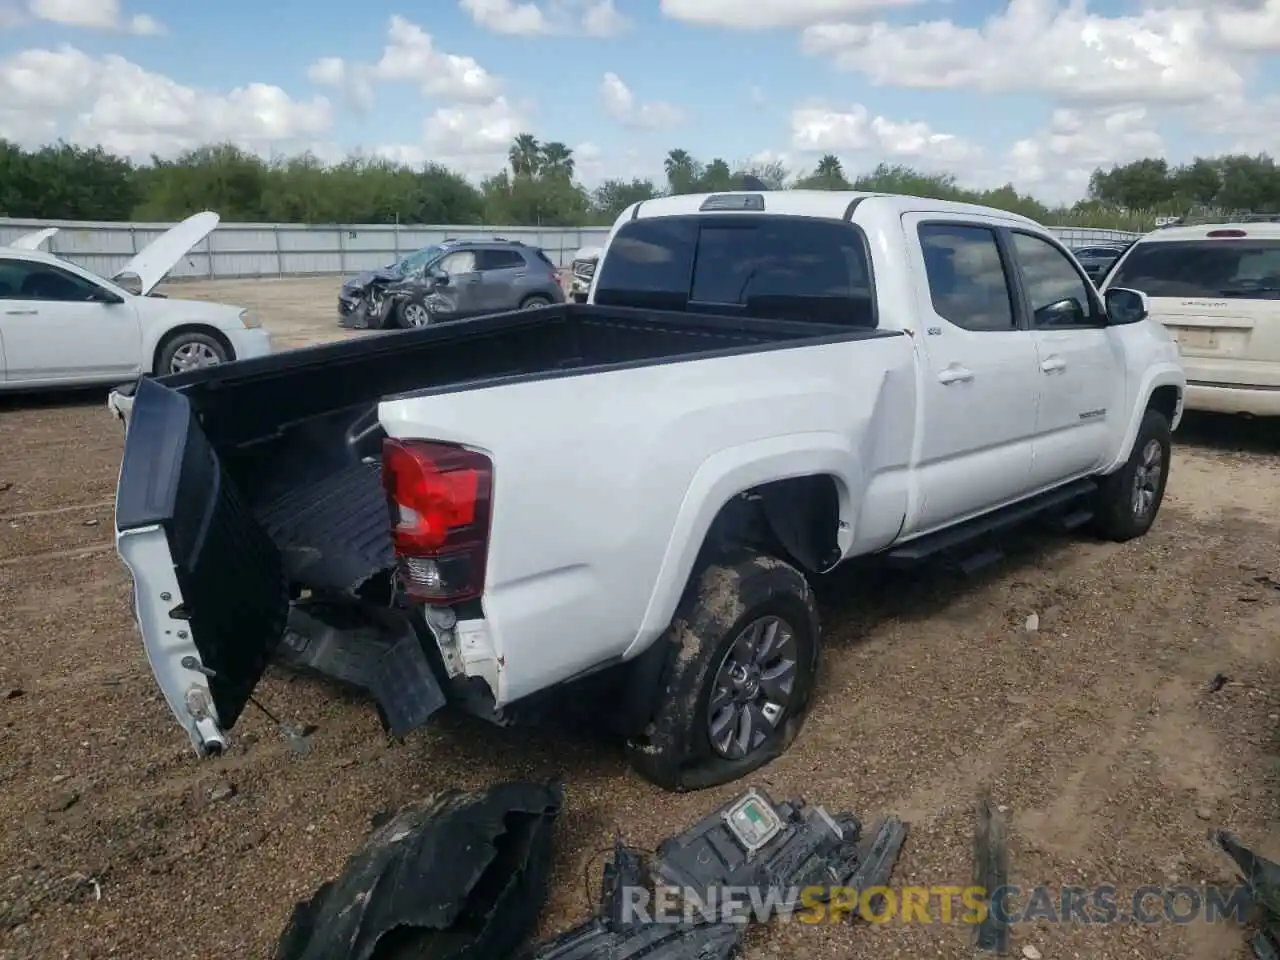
(1033, 92)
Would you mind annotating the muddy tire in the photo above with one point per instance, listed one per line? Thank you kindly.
(744, 641)
(1129, 499)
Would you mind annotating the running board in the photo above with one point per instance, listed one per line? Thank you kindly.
(930, 545)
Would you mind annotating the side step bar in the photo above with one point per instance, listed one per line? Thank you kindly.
(933, 544)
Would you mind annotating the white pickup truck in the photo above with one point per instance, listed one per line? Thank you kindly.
(624, 498)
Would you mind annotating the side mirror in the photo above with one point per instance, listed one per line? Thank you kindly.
(1061, 313)
(129, 282)
(1125, 306)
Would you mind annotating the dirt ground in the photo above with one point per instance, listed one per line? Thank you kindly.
(1100, 733)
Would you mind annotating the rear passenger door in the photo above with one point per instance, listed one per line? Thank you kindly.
(1081, 377)
(502, 274)
(981, 377)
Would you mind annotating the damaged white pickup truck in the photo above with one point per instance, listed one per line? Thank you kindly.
(623, 498)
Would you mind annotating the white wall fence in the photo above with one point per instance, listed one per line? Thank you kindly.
(291, 250)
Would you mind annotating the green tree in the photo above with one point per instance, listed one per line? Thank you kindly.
(66, 181)
(613, 196)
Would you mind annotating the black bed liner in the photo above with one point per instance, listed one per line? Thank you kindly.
(264, 473)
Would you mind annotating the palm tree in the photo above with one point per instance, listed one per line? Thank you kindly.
(556, 161)
(682, 171)
(829, 167)
(525, 155)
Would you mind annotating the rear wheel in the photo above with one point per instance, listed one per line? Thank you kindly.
(190, 350)
(743, 655)
(534, 302)
(1130, 498)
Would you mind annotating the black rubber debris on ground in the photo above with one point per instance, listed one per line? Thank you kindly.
(750, 844)
(461, 876)
(1262, 877)
(990, 873)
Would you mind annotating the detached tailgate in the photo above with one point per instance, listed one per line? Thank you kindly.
(209, 586)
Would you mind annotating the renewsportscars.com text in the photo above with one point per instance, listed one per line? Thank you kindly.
(1104, 904)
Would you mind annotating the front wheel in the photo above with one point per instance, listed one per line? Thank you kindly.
(412, 315)
(743, 657)
(1130, 498)
(190, 350)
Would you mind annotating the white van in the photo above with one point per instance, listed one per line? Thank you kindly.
(1217, 288)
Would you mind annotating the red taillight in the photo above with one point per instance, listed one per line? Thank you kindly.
(438, 496)
(1226, 234)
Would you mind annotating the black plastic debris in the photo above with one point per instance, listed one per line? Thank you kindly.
(461, 876)
(615, 935)
(753, 844)
(990, 872)
(1262, 877)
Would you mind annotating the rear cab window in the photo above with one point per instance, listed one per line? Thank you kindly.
(1209, 269)
(780, 267)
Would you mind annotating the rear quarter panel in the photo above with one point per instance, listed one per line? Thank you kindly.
(605, 484)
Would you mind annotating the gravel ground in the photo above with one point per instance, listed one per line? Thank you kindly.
(1098, 732)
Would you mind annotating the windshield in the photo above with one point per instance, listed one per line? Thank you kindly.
(1202, 269)
(416, 261)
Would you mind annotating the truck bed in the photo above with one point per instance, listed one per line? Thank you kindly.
(264, 474)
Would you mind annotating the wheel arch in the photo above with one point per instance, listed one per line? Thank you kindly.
(789, 495)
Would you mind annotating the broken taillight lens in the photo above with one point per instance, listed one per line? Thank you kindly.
(438, 496)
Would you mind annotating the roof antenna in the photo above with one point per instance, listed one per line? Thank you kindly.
(750, 182)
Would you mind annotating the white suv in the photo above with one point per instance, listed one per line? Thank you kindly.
(1217, 288)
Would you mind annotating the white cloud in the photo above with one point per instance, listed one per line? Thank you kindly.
(621, 104)
(767, 14)
(1055, 163)
(353, 80)
(816, 129)
(94, 15)
(1158, 55)
(132, 111)
(411, 55)
(597, 18)
(1253, 28)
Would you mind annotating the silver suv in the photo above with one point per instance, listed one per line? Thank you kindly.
(452, 280)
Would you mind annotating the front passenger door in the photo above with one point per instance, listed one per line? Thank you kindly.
(463, 292)
(1080, 373)
(56, 330)
(979, 385)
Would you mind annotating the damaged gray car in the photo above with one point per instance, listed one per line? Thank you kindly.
(450, 281)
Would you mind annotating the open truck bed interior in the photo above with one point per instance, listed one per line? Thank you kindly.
(265, 474)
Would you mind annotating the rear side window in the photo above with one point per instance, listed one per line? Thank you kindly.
(790, 268)
(498, 260)
(968, 284)
(544, 258)
(1202, 269)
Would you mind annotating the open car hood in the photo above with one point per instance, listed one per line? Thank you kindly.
(34, 240)
(153, 263)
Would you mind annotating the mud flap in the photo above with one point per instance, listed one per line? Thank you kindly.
(462, 876)
(374, 649)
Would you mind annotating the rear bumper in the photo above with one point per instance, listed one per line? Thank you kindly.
(1229, 398)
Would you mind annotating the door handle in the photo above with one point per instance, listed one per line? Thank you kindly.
(1053, 364)
(21, 313)
(955, 374)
